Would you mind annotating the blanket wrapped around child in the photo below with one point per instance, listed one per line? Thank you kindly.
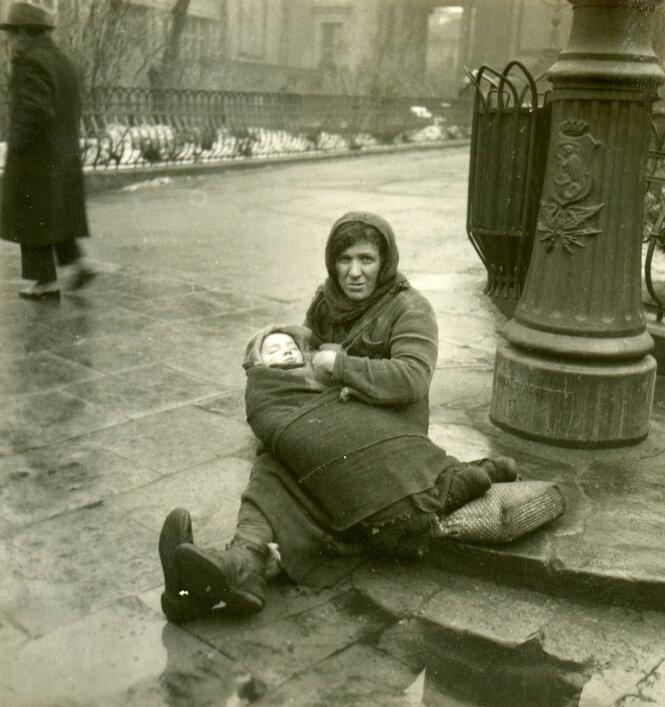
(354, 458)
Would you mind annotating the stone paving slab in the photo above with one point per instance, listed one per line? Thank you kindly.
(111, 353)
(87, 321)
(144, 390)
(175, 440)
(56, 572)
(42, 419)
(193, 305)
(37, 372)
(359, 676)
(37, 338)
(281, 649)
(210, 491)
(48, 481)
(158, 662)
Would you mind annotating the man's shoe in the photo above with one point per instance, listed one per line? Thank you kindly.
(41, 290)
(176, 602)
(236, 577)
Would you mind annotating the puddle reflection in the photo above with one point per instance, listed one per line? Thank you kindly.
(196, 674)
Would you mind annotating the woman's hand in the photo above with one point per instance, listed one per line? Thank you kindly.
(324, 361)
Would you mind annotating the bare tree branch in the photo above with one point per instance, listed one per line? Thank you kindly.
(163, 76)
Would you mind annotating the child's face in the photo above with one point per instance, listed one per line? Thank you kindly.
(280, 348)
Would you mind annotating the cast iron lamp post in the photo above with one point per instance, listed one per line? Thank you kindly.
(576, 370)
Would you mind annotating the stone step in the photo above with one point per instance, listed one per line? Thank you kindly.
(605, 547)
(490, 644)
(401, 634)
(520, 564)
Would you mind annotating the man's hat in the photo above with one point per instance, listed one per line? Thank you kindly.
(25, 14)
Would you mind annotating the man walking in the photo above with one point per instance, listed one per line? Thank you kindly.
(43, 201)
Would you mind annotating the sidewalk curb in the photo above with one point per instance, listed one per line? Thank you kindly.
(509, 567)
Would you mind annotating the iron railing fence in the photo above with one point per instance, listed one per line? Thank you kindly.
(136, 127)
(654, 221)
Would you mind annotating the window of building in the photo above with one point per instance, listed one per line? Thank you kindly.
(543, 26)
(200, 38)
(330, 44)
(444, 47)
(253, 29)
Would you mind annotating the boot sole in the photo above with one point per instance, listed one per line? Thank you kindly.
(176, 530)
(180, 609)
(207, 585)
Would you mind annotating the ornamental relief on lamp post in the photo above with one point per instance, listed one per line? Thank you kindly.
(561, 218)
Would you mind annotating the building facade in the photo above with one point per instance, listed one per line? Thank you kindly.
(405, 47)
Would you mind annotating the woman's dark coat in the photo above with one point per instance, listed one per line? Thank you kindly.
(42, 186)
(388, 358)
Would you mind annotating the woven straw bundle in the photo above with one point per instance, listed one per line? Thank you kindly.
(505, 512)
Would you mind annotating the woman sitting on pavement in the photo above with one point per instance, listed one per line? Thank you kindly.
(379, 342)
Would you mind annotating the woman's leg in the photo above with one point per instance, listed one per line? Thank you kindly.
(252, 526)
(404, 528)
(274, 508)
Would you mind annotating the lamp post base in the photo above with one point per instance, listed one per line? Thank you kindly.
(572, 403)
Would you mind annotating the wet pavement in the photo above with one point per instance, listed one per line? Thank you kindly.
(125, 400)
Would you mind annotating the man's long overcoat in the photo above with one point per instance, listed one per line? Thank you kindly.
(42, 187)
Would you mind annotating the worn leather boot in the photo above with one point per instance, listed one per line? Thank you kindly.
(236, 576)
(463, 485)
(177, 605)
(499, 469)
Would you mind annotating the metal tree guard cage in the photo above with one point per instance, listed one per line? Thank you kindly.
(509, 135)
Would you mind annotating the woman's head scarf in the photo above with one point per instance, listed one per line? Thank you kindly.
(252, 357)
(332, 311)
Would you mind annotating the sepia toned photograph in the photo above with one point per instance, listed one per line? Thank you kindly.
(331, 351)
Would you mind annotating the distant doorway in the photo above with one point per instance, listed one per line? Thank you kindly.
(444, 70)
